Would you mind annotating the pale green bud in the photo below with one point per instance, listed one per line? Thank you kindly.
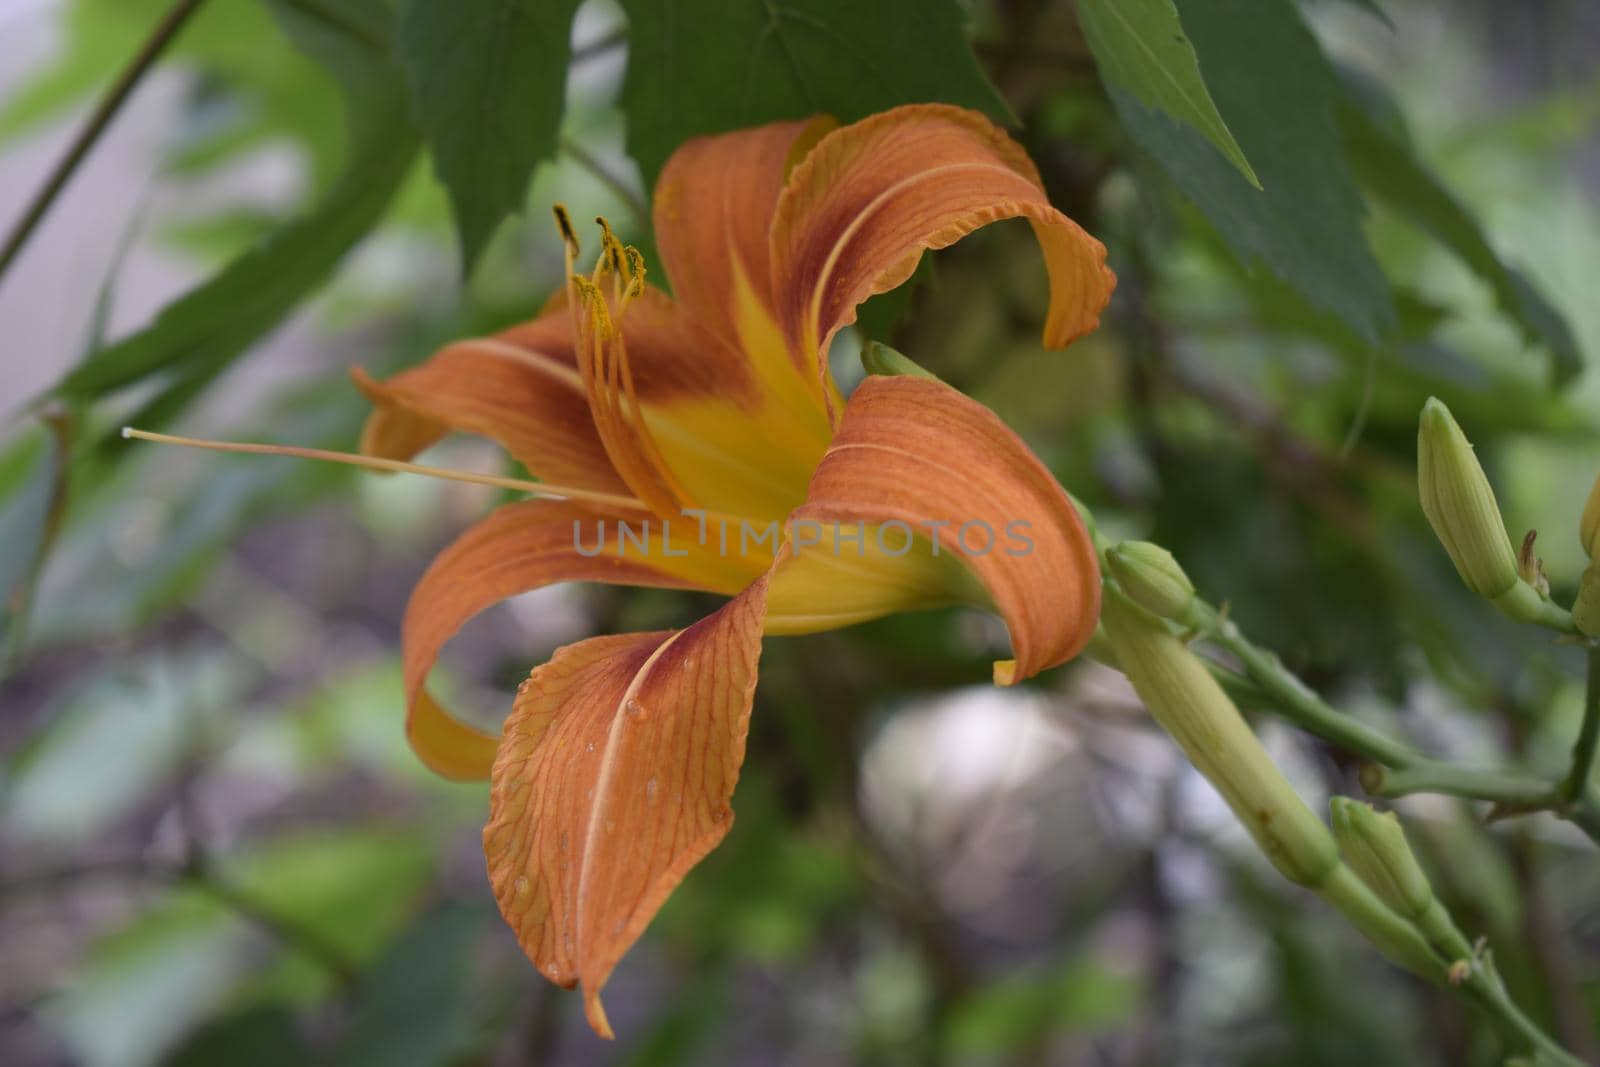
(1375, 847)
(1460, 504)
(1151, 577)
(1589, 525)
(1189, 704)
(879, 358)
(1586, 609)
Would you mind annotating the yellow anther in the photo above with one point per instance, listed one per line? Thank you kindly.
(635, 287)
(611, 258)
(606, 236)
(569, 236)
(594, 302)
(635, 264)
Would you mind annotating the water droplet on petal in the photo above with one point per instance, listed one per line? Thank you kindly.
(520, 886)
(650, 790)
(554, 971)
(611, 824)
(591, 746)
(633, 707)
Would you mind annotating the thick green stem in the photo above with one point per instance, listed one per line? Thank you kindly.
(1577, 782)
(1396, 769)
(1518, 791)
(1524, 604)
(1293, 699)
(1486, 989)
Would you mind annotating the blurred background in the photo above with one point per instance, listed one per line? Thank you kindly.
(215, 846)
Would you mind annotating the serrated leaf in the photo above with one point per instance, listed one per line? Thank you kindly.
(1272, 83)
(1140, 48)
(488, 85)
(704, 66)
(211, 325)
(1385, 160)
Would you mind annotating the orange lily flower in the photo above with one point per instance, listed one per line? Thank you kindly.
(699, 442)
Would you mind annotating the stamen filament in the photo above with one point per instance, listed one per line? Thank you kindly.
(546, 490)
(520, 485)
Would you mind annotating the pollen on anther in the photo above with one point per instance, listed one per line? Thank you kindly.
(564, 224)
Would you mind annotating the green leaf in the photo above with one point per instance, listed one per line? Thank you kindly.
(260, 1036)
(1270, 80)
(1082, 996)
(34, 479)
(1385, 160)
(705, 66)
(140, 990)
(207, 328)
(1140, 48)
(488, 86)
(419, 1005)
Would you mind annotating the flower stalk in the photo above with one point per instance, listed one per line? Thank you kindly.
(1189, 704)
(1377, 884)
(1395, 768)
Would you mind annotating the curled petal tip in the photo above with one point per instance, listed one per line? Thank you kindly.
(596, 1014)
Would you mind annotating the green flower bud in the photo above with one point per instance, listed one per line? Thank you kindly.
(879, 358)
(1586, 609)
(1189, 704)
(1460, 505)
(1375, 848)
(1589, 525)
(1151, 577)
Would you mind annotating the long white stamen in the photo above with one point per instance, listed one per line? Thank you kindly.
(546, 490)
(520, 485)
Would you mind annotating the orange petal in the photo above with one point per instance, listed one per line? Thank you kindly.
(520, 388)
(918, 452)
(713, 210)
(856, 215)
(520, 547)
(614, 779)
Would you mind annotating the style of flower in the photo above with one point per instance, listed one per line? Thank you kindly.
(708, 426)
